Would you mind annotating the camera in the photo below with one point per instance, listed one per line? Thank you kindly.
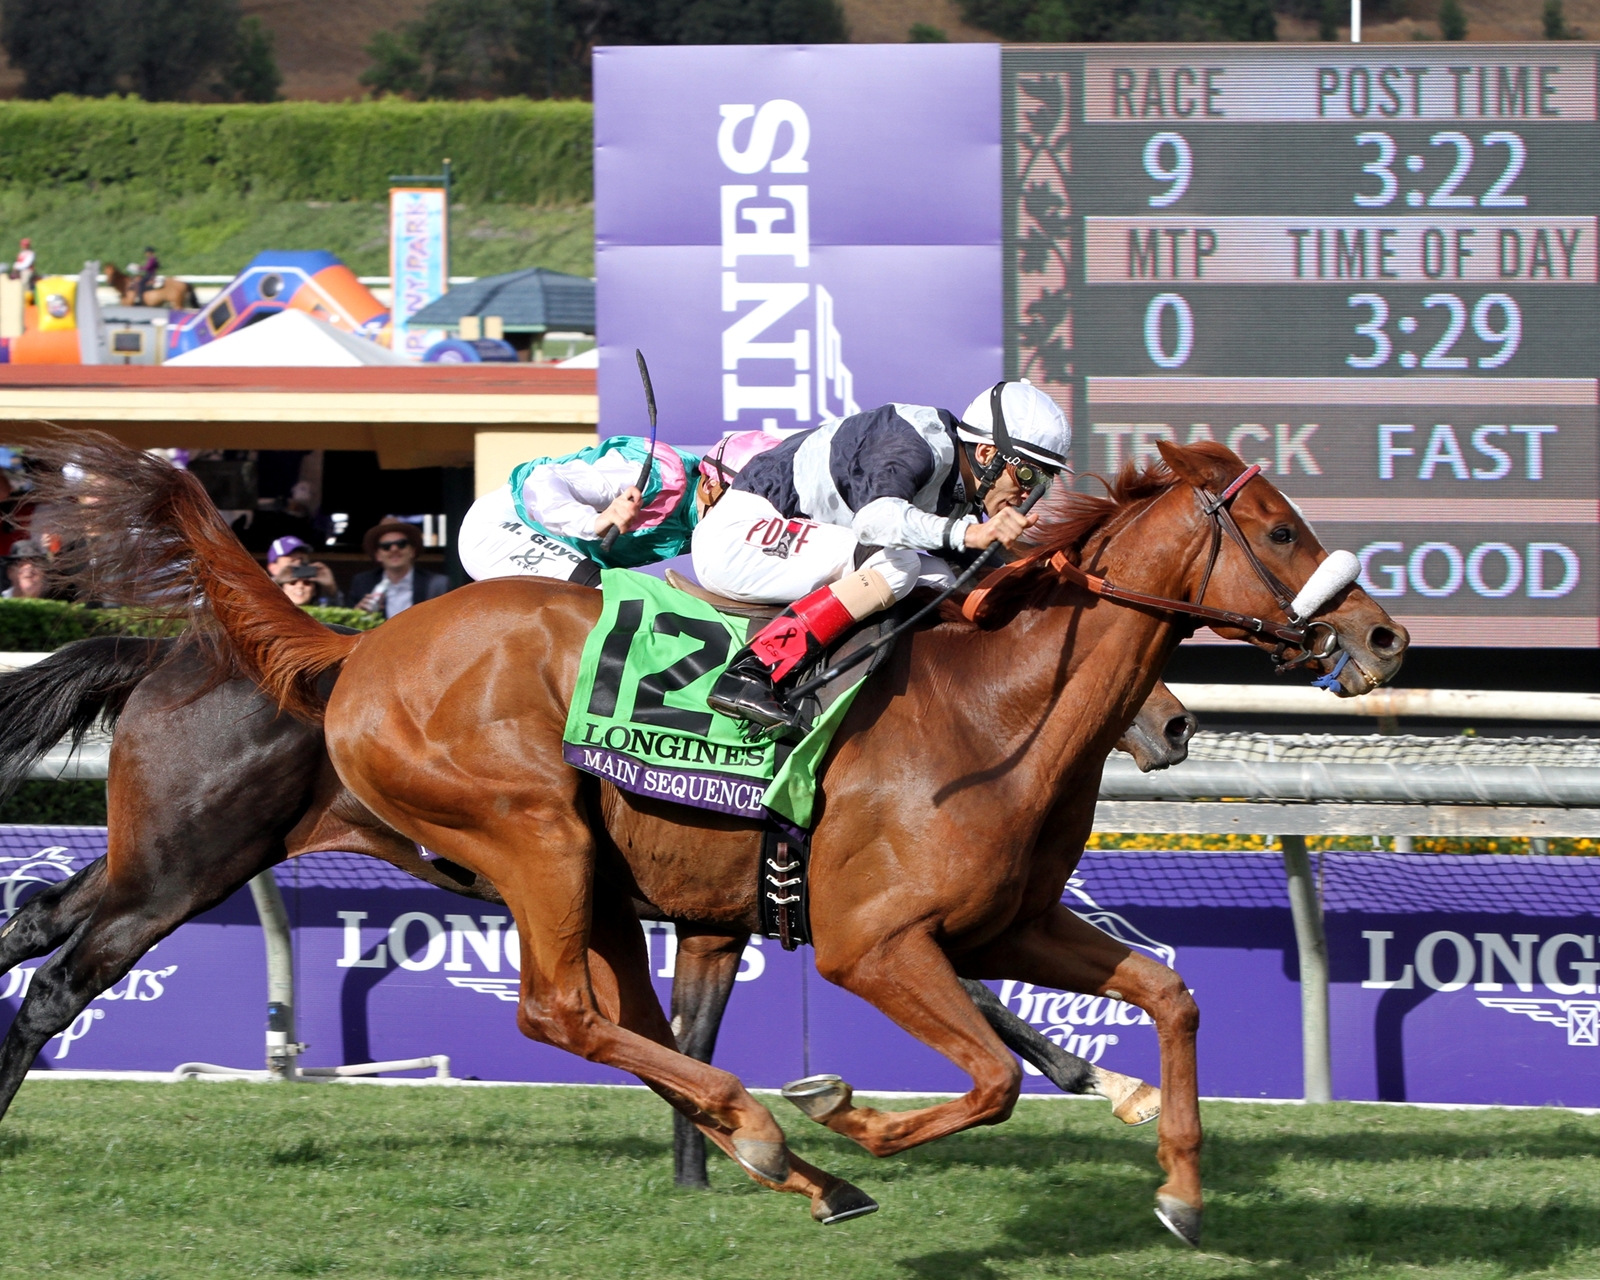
(300, 572)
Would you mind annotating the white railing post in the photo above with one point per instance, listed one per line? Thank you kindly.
(282, 1048)
(1305, 905)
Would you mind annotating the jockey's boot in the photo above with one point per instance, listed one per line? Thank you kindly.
(751, 688)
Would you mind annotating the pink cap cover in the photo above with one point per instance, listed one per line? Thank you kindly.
(734, 453)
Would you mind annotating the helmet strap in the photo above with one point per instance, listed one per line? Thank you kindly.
(1002, 445)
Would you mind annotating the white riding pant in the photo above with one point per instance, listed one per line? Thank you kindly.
(745, 549)
(494, 543)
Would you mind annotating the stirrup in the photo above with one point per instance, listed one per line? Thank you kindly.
(752, 701)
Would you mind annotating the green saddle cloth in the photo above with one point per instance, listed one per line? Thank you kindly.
(639, 717)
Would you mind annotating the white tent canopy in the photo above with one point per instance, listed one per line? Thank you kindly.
(290, 339)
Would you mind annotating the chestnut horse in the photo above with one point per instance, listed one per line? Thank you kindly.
(211, 786)
(956, 796)
(173, 293)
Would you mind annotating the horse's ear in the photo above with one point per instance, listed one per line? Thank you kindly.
(1198, 466)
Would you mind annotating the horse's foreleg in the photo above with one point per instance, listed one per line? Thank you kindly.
(1063, 951)
(702, 980)
(910, 979)
(48, 918)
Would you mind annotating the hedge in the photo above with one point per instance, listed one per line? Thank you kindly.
(37, 626)
(510, 149)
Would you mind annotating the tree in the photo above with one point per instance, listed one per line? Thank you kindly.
(1073, 21)
(472, 48)
(251, 73)
(169, 45)
(1555, 22)
(62, 46)
(1452, 22)
(927, 33)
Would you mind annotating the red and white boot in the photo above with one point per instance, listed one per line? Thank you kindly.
(749, 688)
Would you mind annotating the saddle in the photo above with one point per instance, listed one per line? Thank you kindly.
(762, 613)
(782, 882)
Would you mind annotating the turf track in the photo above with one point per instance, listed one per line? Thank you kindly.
(141, 1182)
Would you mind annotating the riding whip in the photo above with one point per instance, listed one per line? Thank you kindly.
(882, 642)
(607, 542)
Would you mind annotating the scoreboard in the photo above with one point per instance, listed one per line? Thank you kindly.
(1371, 269)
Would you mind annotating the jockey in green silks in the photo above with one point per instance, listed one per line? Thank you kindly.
(550, 518)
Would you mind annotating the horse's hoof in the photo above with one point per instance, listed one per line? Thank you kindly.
(818, 1096)
(769, 1161)
(841, 1203)
(1183, 1220)
(1141, 1106)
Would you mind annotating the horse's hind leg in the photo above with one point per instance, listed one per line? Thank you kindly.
(702, 980)
(1132, 1100)
(910, 979)
(1061, 950)
(607, 1011)
(134, 912)
(48, 918)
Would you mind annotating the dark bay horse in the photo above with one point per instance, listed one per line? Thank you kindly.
(957, 794)
(213, 786)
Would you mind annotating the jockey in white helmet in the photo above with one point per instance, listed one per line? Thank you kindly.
(837, 522)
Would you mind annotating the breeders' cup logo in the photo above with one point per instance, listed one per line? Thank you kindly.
(1447, 961)
(54, 865)
(19, 876)
(1062, 1016)
(775, 225)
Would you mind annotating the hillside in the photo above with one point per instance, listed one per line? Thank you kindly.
(321, 45)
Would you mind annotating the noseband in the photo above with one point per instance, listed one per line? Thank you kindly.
(1315, 640)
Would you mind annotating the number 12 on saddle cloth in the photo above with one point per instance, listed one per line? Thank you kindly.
(639, 717)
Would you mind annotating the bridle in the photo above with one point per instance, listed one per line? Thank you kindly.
(1315, 640)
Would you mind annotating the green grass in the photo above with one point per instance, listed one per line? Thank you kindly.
(146, 1182)
(217, 234)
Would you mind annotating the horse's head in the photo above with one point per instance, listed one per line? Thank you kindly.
(1159, 735)
(1286, 553)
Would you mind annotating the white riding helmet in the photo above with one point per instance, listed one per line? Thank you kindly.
(1035, 425)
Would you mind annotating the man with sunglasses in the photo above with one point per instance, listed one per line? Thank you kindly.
(845, 520)
(551, 518)
(397, 583)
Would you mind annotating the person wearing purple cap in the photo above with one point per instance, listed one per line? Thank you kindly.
(303, 580)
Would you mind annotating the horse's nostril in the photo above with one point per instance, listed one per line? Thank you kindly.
(1180, 729)
(1383, 640)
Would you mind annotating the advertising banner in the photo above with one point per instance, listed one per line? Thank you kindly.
(419, 262)
(1372, 277)
(795, 233)
(1455, 979)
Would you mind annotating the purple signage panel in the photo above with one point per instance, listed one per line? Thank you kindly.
(1455, 980)
(790, 232)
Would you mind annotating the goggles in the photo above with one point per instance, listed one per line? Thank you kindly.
(1030, 475)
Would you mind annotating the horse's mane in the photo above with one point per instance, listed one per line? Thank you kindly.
(1068, 521)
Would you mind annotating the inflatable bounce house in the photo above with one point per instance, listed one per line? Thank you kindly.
(275, 281)
(66, 324)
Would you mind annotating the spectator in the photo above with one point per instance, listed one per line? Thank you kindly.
(22, 268)
(287, 560)
(25, 569)
(397, 583)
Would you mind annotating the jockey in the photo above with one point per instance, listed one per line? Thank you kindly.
(148, 273)
(550, 518)
(833, 522)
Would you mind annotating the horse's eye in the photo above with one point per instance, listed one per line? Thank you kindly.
(1282, 534)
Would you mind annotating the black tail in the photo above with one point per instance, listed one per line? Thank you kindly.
(84, 684)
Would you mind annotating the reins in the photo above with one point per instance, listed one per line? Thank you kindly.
(1293, 633)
